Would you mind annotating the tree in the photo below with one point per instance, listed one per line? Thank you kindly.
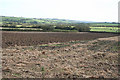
(47, 28)
(82, 27)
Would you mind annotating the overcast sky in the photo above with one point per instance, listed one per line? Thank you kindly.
(84, 10)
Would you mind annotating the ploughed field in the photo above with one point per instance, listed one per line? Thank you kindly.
(67, 55)
(37, 38)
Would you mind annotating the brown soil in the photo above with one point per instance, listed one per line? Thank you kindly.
(96, 58)
(36, 38)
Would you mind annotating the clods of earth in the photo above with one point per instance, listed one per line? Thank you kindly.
(96, 58)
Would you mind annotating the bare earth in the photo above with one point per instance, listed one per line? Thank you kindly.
(13, 38)
(96, 58)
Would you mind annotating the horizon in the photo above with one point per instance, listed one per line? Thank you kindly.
(59, 19)
(99, 11)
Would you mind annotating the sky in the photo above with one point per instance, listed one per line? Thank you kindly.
(83, 10)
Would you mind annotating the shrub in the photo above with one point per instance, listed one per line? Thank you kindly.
(82, 27)
(47, 28)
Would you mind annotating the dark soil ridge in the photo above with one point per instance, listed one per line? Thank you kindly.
(37, 38)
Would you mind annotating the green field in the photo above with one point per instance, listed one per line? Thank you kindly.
(104, 24)
(105, 29)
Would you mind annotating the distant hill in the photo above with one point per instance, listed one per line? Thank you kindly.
(8, 19)
(42, 24)
(55, 25)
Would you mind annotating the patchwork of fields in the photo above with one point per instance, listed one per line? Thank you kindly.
(105, 27)
(58, 48)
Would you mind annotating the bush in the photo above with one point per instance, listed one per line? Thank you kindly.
(47, 28)
(82, 27)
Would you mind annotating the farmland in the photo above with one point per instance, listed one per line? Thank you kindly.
(55, 48)
(105, 29)
(34, 38)
(73, 55)
(55, 25)
(104, 24)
